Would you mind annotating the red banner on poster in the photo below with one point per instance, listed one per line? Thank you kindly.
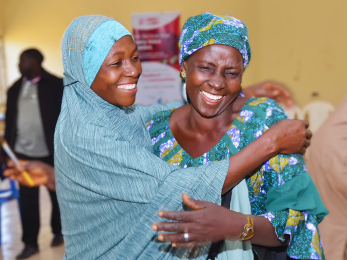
(157, 36)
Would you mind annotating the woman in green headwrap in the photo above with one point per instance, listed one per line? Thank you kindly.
(219, 122)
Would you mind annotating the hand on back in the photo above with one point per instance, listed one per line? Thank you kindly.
(290, 136)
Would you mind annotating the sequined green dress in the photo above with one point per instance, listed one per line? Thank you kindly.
(256, 116)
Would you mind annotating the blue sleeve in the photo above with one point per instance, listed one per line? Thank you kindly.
(301, 226)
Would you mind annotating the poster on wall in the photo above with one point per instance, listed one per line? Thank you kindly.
(156, 36)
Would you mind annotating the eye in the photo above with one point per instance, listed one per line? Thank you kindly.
(232, 74)
(117, 63)
(136, 58)
(206, 68)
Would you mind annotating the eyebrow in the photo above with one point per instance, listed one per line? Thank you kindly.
(122, 52)
(208, 63)
(213, 65)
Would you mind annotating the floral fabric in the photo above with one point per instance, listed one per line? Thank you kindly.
(256, 116)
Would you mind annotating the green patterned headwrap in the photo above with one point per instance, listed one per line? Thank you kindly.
(207, 29)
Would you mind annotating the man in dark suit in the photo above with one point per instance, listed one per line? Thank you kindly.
(33, 107)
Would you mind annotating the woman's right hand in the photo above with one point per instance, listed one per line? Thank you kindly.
(290, 136)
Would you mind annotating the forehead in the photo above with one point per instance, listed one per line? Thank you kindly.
(218, 54)
(125, 44)
(218, 50)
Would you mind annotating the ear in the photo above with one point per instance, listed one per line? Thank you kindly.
(184, 66)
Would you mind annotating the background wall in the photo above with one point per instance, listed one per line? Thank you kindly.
(302, 44)
(1, 16)
(297, 43)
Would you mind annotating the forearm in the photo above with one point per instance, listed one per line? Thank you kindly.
(248, 92)
(247, 160)
(264, 233)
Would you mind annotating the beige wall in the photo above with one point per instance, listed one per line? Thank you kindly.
(302, 43)
(297, 43)
(1, 16)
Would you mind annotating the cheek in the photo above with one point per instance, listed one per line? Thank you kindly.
(138, 66)
(234, 86)
(196, 78)
(111, 77)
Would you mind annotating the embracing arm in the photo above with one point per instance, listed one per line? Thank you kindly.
(287, 137)
(227, 224)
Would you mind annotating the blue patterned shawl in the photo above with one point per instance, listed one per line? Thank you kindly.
(110, 185)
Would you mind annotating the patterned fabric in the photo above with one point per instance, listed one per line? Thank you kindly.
(110, 186)
(256, 116)
(207, 29)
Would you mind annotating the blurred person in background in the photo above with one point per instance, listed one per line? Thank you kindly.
(327, 165)
(33, 107)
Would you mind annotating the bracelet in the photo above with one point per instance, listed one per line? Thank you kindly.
(248, 230)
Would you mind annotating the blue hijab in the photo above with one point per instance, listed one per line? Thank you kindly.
(110, 185)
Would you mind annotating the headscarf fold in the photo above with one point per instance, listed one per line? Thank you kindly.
(110, 185)
(207, 29)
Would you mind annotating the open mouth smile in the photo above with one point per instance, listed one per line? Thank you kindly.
(211, 98)
(127, 86)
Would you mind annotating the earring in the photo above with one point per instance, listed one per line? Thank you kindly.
(184, 92)
(183, 74)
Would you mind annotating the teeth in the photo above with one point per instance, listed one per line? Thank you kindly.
(128, 86)
(214, 97)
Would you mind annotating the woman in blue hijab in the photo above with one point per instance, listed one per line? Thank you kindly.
(110, 185)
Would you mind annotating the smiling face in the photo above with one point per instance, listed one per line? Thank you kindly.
(214, 76)
(119, 73)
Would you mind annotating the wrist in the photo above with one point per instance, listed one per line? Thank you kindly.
(271, 146)
(235, 226)
(248, 229)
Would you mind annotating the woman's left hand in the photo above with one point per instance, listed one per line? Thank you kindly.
(207, 223)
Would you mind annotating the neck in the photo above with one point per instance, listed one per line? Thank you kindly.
(206, 126)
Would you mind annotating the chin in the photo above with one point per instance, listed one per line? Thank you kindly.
(206, 113)
(126, 103)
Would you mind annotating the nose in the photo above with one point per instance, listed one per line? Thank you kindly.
(132, 70)
(216, 82)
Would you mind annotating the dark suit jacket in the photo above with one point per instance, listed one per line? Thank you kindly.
(50, 94)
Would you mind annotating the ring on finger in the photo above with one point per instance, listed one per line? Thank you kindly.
(186, 236)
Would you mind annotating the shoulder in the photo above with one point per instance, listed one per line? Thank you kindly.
(263, 103)
(15, 85)
(13, 91)
(52, 79)
(267, 109)
(158, 121)
(257, 116)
